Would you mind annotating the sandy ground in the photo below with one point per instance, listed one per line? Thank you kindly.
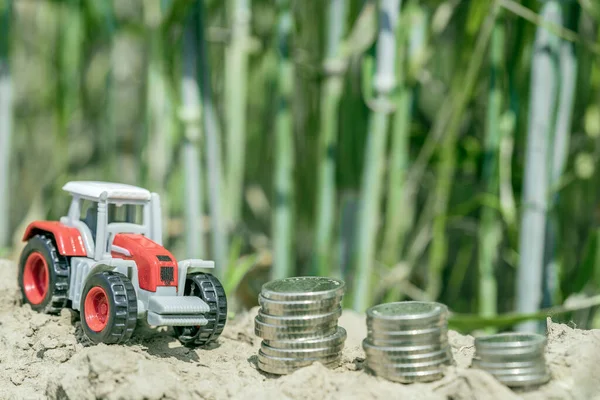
(45, 356)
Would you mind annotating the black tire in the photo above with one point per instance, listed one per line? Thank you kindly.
(121, 315)
(55, 297)
(209, 289)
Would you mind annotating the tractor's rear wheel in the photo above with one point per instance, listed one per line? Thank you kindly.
(108, 308)
(43, 275)
(209, 289)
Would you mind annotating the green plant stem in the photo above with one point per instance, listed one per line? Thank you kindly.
(108, 143)
(460, 94)
(159, 108)
(284, 146)
(544, 86)
(213, 152)
(71, 47)
(469, 322)
(490, 229)
(5, 122)
(398, 209)
(236, 71)
(562, 133)
(191, 111)
(330, 100)
(383, 84)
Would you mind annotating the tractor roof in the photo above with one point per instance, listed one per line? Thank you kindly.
(114, 191)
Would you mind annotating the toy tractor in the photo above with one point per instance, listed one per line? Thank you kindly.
(105, 259)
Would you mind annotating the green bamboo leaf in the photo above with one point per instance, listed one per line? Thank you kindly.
(238, 272)
(443, 14)
(591, 7)
(584, 165)
(176, 11)
(592, 121)
(363, 32)
(585, 270)
(471, 322)
(552, 27)
(477, 13)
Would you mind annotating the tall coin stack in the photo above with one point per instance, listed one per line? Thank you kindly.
(407, 341)
(515, 359)
(298, 322)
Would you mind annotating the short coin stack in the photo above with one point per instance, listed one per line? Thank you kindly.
(298, 322)
(515, 359)
(407, 341)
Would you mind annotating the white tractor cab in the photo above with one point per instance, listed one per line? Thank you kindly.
(106, 260)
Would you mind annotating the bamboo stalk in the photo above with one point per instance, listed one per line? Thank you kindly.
(213, 152)
(384, 82)
(399, 209)
(284, 147)
(70, 66)
(5, 122)
(543, 89)
(158, 102)
(449, 123)
(490, 228)
(559, 155)
(331, 93)
(236, 71)
(108, 142)
(191, 117)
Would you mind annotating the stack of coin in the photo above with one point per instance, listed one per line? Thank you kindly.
(515, 359)
(407, 341)
(298, 323)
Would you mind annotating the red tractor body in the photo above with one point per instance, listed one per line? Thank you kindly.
(109, 263)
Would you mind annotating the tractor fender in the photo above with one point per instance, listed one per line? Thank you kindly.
(124, 267)
(68, 239)
(190, 266)
(127, 268)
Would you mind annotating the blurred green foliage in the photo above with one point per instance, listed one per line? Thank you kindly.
(86, 105)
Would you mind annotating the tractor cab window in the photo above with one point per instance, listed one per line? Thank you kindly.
(129, 213)
(89, 216)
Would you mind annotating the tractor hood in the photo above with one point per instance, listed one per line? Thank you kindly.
(156, 266)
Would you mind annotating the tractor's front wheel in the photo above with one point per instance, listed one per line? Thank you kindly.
(108, 308)
(210, 290)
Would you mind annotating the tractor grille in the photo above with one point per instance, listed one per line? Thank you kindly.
(166, 275)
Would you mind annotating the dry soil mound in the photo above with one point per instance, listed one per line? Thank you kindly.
(45, 356)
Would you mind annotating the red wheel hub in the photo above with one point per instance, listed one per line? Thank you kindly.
(96, 309)
(36, 278)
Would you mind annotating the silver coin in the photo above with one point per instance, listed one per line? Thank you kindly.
(408, 377)
(523, 381)
(301, 320)
(405, 350)
(284, 369)
(402, 357)
(399, 326)
(498, 365)
(295, 362)
(400, 338)
(407, 313)
(303, 288)
(401, 344)
(301, 353)
(511, 340)
(272, 332)
(337, 338)
(444, 358)
(510, 347)
(536, 369)
(429, 365)
(298, 307)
